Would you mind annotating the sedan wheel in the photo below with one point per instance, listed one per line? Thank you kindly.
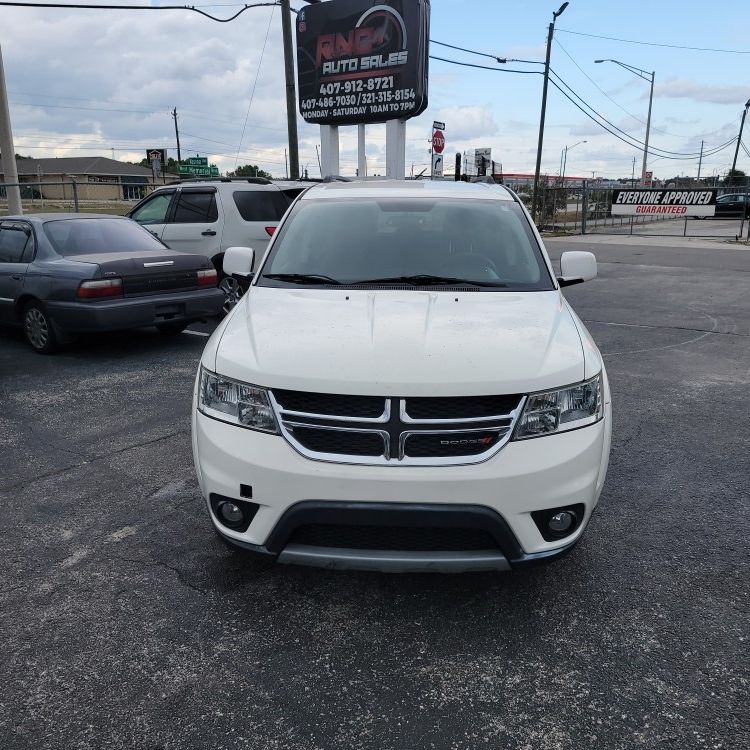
(37, 327)
(232, 292)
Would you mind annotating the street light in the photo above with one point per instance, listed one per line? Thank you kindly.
(646, 76)
(550, 34)
(739, 137)
(565, 160)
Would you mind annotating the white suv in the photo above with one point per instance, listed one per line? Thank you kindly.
(403, 387)
(206, 217)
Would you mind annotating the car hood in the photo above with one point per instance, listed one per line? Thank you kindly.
(399, 343)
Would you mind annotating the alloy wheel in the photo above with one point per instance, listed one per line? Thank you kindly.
(232, 292)
(37, 328)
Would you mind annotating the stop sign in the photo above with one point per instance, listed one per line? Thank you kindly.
(438, 141)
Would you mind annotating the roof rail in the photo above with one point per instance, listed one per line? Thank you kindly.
(336, 178)
(252, 180)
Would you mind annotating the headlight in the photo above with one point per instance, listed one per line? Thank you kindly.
(235, 402)
(557, 411)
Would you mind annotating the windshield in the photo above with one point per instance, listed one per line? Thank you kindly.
(407, 241)
(72, 237)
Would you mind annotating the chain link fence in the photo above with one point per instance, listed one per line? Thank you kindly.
(77, 195)
(587, 209)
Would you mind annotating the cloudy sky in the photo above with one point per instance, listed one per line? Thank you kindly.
(102, 82)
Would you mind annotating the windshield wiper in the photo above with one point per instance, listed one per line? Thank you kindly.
(428, 279)
(302, 278)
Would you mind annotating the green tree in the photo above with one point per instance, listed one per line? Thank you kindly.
(249, 170)
(735, 177)
(171, 166)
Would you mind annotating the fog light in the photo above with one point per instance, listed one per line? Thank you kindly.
(561, 522)
(231, 514)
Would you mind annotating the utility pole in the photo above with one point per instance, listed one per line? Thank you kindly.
(177, 135)
(550, 34)
(648, 129)
(700, 161)
(291, 94)
(7, 149)
(739, 137)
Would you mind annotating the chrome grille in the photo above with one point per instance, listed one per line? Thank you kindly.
(379, 430)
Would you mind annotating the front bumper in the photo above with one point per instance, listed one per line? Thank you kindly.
(549, 472)
(136, 312)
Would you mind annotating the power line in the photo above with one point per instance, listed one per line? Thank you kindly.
(655, 149)
(617, 104)
(195, 9)
(88, 109)
(627, 112)
(657, 44)
(636, 145)
(255, 83)
(484, 67)
(470, 51)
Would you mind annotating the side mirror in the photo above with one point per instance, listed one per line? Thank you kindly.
(576, 267)
(238, 262)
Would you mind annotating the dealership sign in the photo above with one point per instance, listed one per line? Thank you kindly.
(668, 202)
(362, 61)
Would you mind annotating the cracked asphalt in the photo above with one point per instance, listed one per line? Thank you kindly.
(126, 624)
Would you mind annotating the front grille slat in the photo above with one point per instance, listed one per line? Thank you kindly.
(364, 407)
(382, 430)
(393, 538)
(339, 442)
(463, 407)
(449, 445)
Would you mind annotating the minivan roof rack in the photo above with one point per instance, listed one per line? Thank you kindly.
(251, 180)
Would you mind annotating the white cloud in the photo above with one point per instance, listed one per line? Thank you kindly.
(467, 122)
(683, 88)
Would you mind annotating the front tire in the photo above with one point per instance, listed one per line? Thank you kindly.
(39, 329)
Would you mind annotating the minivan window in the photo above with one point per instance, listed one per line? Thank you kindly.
(72, 237)
(154, 211)
(261, 205)
(195, 208)
(394, 239)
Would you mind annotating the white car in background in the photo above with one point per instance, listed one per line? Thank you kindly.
(403, 387)
(205, 217)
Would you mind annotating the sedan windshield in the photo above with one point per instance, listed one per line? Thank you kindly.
(411, 242)
(72, 237)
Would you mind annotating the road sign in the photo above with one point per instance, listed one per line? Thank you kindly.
(482, 160)
(198, 161)
(437, 165)
(649, 179)
(156, 154)
(667, 203)
(437, 125)
(360, 61)
(438, 141)
(199, 171)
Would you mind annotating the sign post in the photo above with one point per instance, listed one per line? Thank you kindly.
(361, 62)
(157, 158)
(438, 146)
(482, 157)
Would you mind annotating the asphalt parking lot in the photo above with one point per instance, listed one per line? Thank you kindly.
(126, 624)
